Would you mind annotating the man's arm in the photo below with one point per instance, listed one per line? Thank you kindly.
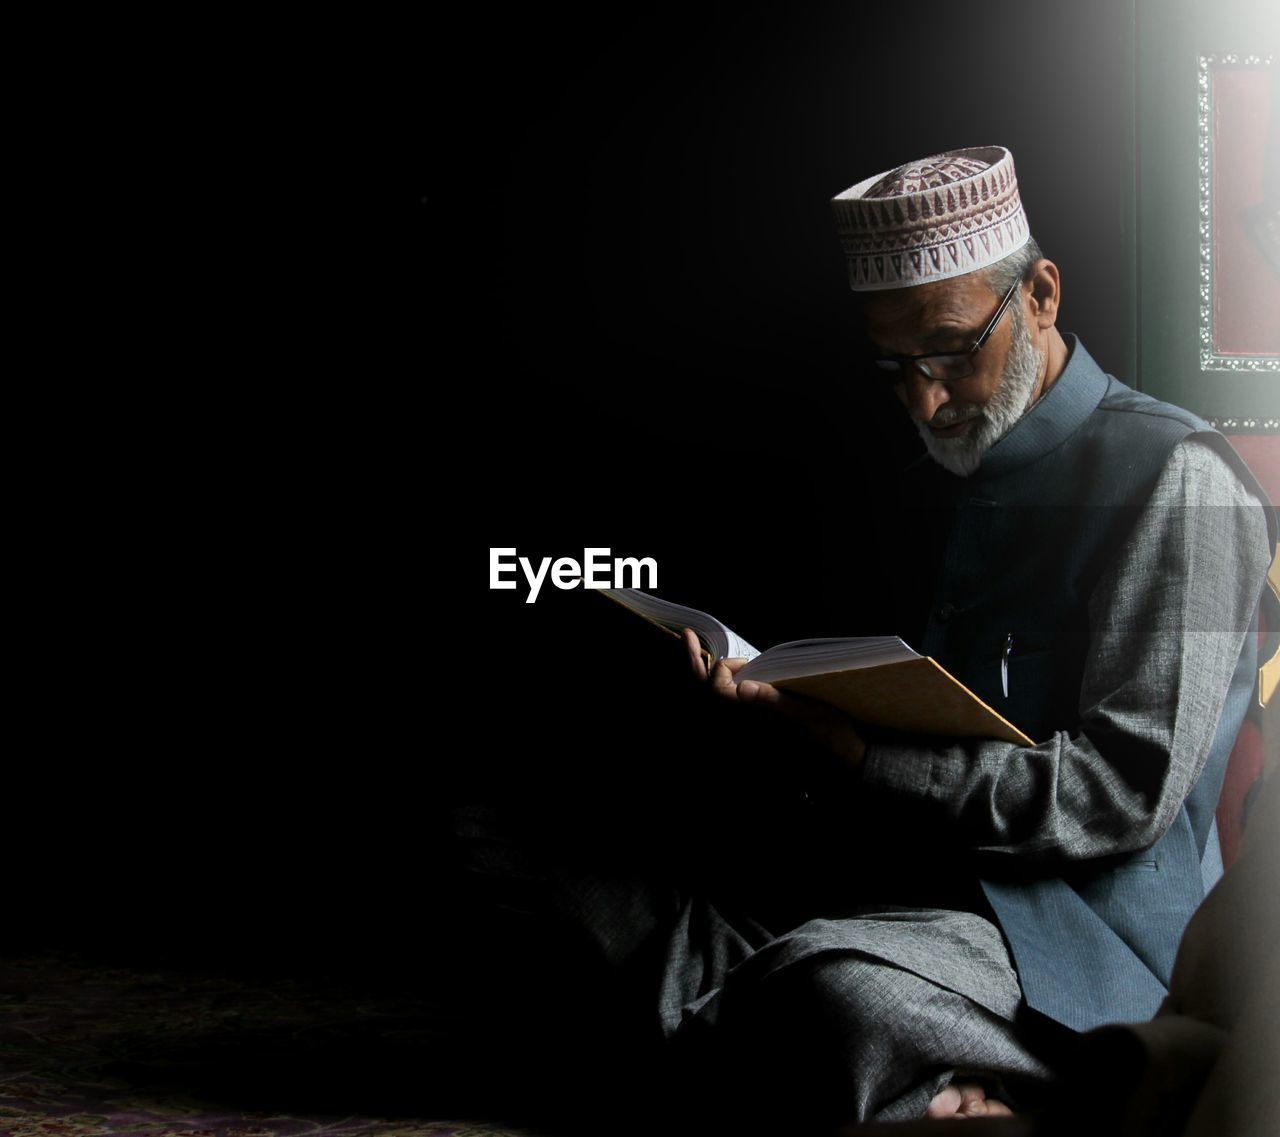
(1167, 625)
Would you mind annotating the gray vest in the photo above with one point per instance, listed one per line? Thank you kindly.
(1020, 545)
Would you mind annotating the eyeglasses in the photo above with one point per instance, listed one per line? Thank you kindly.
(948, 365)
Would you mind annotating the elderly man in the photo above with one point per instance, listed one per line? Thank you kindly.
(1089, 561)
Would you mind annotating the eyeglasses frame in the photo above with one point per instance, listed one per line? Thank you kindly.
(903, 360)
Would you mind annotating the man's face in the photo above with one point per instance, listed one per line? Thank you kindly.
(959, 419)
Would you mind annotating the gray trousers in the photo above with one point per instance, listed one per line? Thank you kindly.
(861, 1016)
(865, 1016)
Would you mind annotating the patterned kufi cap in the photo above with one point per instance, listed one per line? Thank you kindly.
(936, 218)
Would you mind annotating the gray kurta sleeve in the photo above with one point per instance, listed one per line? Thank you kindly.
(1167, 623)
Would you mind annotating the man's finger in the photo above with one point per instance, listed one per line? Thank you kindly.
(693, 648)
(722, 679)
(755, 691)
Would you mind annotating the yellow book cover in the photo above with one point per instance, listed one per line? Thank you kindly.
(878, 680)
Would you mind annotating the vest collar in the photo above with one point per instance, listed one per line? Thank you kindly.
(1050, 422)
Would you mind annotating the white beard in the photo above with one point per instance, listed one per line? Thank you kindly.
(963, 455)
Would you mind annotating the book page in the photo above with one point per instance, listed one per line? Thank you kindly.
(820, 656)
(722, 642)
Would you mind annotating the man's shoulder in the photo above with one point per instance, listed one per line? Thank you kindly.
(1120, 416)
(1185, 454)
(1129, 404)
(1130, 435)
(1120, 402)
(1202, 465)
(1204, 472)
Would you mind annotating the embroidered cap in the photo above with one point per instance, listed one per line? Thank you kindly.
(935, 218)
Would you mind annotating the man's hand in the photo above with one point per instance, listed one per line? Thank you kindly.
(832, 729)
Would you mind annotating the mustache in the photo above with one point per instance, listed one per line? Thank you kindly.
(950, 416)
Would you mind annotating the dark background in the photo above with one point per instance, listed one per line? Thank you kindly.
(503, 277)
(633, 222)
(630, 225)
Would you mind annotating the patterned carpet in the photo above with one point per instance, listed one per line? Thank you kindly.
(88, 1047)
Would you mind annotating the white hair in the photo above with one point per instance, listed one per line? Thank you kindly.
(999, 277)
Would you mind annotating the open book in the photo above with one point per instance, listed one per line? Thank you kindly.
(875, 679)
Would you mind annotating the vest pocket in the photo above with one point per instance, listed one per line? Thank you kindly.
(1025, 671)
